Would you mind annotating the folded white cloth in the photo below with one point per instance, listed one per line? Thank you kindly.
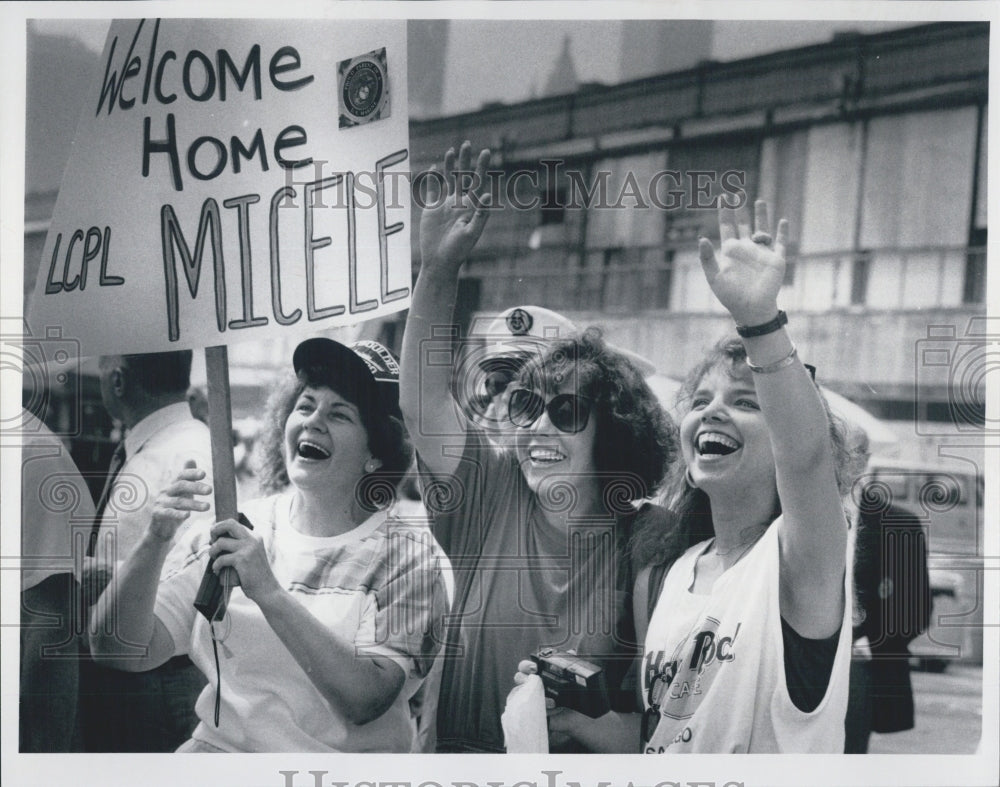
(525, 728)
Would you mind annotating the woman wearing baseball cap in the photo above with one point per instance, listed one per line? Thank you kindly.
(538, 535)
(328, 634)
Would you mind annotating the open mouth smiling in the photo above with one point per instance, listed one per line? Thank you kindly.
(715, 444)
(545, 456)
(312, 451)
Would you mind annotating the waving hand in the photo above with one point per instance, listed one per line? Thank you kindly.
(749, 269)
(455, 214)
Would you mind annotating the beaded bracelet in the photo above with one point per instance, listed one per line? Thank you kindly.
(788, 360)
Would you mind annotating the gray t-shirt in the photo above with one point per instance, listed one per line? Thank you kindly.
(520, 585)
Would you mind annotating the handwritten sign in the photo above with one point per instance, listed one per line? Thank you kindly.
(215, 192)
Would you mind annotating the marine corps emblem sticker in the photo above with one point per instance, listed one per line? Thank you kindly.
(519, 322)
(363, 94)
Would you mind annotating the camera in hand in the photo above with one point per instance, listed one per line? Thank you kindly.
(213, 593)
(573, 682)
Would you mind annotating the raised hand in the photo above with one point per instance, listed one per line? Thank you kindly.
(452, 222)
(177, 501)
(750, 267)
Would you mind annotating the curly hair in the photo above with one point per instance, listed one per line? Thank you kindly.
(635, 440)
(691, 504)
(387, 438)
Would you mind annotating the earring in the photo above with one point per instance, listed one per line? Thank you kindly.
(688, 479)
(372, 465)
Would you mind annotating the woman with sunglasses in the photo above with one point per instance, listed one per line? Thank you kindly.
(509, 341)
(537, 536)
(748, 647)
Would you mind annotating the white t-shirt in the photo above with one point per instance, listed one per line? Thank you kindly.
(156, 450)
(379, 586)
(718, 662)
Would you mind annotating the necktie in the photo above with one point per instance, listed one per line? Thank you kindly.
(117, 461)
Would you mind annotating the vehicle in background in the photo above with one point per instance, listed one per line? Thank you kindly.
(947, 498)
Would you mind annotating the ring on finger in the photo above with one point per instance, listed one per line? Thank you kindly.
(763, 238)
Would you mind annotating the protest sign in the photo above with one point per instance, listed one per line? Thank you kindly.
(231, 179)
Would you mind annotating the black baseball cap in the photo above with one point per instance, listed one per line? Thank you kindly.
(370, 368)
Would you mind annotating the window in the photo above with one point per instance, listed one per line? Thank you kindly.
(859, 277)
(830, 202)
(974, 290)
(979, 220)
(917, 174)
(782, 183)
(615, 216)
(702, 168)
(553, 206)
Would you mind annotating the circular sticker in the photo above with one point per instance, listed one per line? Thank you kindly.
(519, 322)
(363, 91)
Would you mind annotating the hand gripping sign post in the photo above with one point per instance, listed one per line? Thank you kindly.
(215, 194)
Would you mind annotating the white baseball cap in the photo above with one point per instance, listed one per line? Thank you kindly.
(522, 330)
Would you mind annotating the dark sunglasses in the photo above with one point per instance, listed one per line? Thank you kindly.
(568, 412)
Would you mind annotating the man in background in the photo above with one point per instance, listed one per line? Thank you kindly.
(144, 711)
(54, 498)
(892, 607)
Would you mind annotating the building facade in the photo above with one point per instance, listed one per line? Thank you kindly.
(873, 146)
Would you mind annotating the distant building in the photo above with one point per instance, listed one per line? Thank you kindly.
(427, 53)
(563, 77)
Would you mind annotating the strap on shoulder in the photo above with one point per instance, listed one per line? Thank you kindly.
(648, 585)
(657, 574)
